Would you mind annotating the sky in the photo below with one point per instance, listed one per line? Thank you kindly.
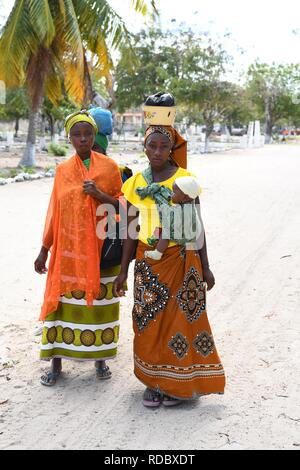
(260, 29)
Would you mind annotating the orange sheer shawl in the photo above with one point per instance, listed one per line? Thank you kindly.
(70, 229)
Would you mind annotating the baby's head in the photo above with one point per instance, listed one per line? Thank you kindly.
(185, 189)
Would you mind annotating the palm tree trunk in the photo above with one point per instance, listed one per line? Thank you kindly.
(36, 74)
(28, 159)
(43, 133)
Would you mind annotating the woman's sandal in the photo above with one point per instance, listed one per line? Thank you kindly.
(151, 398)
(169, 401)
(50, 378)
(103, 373)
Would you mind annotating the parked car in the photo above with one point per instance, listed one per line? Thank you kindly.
(238, 131)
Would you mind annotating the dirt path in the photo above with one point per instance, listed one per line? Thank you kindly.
(251, 207)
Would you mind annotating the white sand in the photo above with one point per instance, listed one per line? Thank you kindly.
(251, 210)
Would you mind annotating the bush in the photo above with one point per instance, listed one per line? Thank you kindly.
(58, 150)
(13, 172)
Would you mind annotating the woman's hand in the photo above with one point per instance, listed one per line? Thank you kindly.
(90, 188)
(118, 286)
(209, 278)
(40, 262)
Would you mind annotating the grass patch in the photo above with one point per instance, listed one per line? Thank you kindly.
(30, 171)
(13, 172)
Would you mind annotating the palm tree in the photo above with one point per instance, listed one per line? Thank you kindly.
(44, 45)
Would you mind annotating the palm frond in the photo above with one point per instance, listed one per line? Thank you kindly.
(142, 6)
(68, 31)
(62, 9)
(74, 83)
(18, 41)
(54, 80)
(68, 48)
(98, 15)
(103, 65)
(41, 21)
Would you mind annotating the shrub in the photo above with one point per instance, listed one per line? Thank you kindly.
(58, 150)
(13, 172)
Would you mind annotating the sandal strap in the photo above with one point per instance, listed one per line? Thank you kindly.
(152, 396)
(102, 369)
(50, 377)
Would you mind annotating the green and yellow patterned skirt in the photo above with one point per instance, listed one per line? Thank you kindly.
(76, 331)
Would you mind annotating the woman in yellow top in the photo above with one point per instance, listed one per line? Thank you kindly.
(175, 356)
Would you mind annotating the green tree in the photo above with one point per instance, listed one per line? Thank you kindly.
(241, 109)
(16, 107)
(273, 89)
(45, 44)
(202, 85)
(153, 69)
(55, 114)
(185, 65)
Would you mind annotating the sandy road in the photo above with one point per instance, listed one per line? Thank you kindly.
(251, 210)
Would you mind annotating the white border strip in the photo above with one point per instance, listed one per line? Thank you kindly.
(96, 303)
(81, 326)
(71, 347)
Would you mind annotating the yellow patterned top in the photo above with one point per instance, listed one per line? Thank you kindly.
(148, 215)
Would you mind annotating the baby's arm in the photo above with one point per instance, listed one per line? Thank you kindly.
(161, 247)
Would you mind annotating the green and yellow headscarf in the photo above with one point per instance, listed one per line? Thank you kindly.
(79, 116)
(102, 140)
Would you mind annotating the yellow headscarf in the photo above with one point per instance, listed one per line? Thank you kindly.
(79, 116)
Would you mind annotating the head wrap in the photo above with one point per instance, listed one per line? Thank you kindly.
(103, 119)
(189, 186)
(79, 116)
(101, 140)
(179, 144)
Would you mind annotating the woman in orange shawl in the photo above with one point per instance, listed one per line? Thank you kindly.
(80, 313)
(175, 356)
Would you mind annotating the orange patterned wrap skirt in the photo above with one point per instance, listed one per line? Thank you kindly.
(174, 349)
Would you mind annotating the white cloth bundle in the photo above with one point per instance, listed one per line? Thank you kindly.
(189, 186)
